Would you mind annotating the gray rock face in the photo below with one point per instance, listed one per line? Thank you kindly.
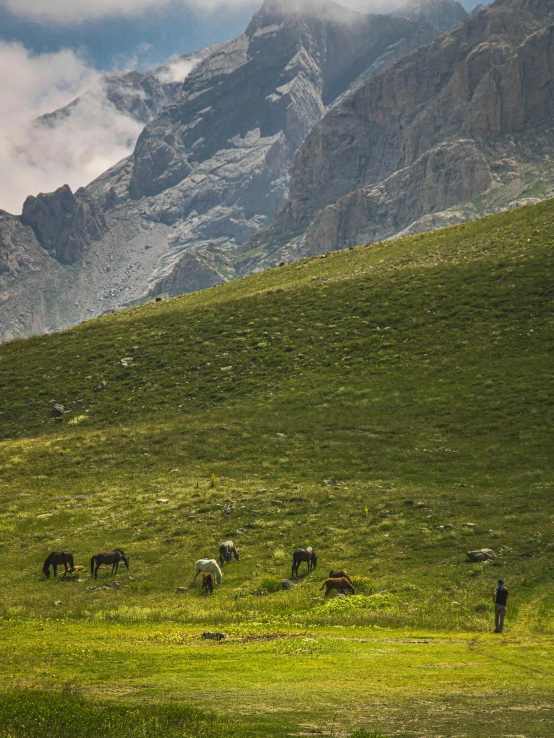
(443, 14)
(196, 271)
(64, 223)
(17, 244)
(424, 135)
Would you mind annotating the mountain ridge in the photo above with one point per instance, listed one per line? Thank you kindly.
(212, 168)
(486, 83)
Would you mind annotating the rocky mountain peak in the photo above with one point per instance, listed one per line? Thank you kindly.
(275, 12)
(443, 14)
(64, 223)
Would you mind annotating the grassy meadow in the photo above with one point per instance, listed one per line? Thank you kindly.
(390, 405)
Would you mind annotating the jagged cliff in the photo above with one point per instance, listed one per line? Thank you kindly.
(212, 167)
(467, 117)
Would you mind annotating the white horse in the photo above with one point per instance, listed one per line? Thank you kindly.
(210, 565)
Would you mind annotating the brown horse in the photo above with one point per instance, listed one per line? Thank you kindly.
(303, 554)
(207, 583)
(342, 584)
(57, 559)
(338, 574)
(114, 558)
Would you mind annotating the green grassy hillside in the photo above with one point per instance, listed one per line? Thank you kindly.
(358, 402)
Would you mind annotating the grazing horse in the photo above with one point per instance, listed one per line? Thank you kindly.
(209, 565)
(207, 583)
(57, 559)
(226, 551)
(338, 574)
(114, 558)
(303, 554)
(342, 584)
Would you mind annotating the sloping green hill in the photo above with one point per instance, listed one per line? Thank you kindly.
(358, 402)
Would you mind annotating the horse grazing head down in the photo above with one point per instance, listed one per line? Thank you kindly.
(342, 584)
(209, 565)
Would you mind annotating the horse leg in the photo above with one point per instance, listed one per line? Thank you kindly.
(55, 567)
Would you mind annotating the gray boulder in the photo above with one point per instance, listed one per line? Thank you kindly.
(483, 554)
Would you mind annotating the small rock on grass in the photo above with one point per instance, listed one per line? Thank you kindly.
(180, 590)
(162, 501)
(287, 584)
(483, 554)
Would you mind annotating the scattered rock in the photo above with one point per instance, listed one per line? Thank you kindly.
(483, 554)
(94, 589)
(281, 435)
(287, 584)
(240, 531)
(57, 603)
(180, 590)
(261, 491)
(226, 368)
(101, 386)
(469, 525)
(134, 349)
(191, 517)
(113, 585)
(127, 361)
(250, 526)
(162, 501)
(229, 509)
(276, 502)
(207, 634)
(58, 409)
(448, 526)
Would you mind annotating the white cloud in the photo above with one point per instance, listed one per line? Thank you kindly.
(176, 70)
(71, 11)
(35, 158)
(76, 11)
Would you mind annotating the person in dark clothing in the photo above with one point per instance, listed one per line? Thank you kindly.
(500, 598)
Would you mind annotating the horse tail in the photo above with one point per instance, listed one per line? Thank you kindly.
(46, 567)
(92, 565)
(323, 587)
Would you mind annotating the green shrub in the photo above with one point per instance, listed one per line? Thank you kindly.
(363, 585)
(270, 584)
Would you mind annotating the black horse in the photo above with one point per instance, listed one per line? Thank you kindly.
(303, 554)
(57, 559)
(226, 551)
(114, 558)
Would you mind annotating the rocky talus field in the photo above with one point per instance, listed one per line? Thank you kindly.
(389, 405)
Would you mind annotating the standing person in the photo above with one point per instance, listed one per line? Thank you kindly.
(500, 599)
